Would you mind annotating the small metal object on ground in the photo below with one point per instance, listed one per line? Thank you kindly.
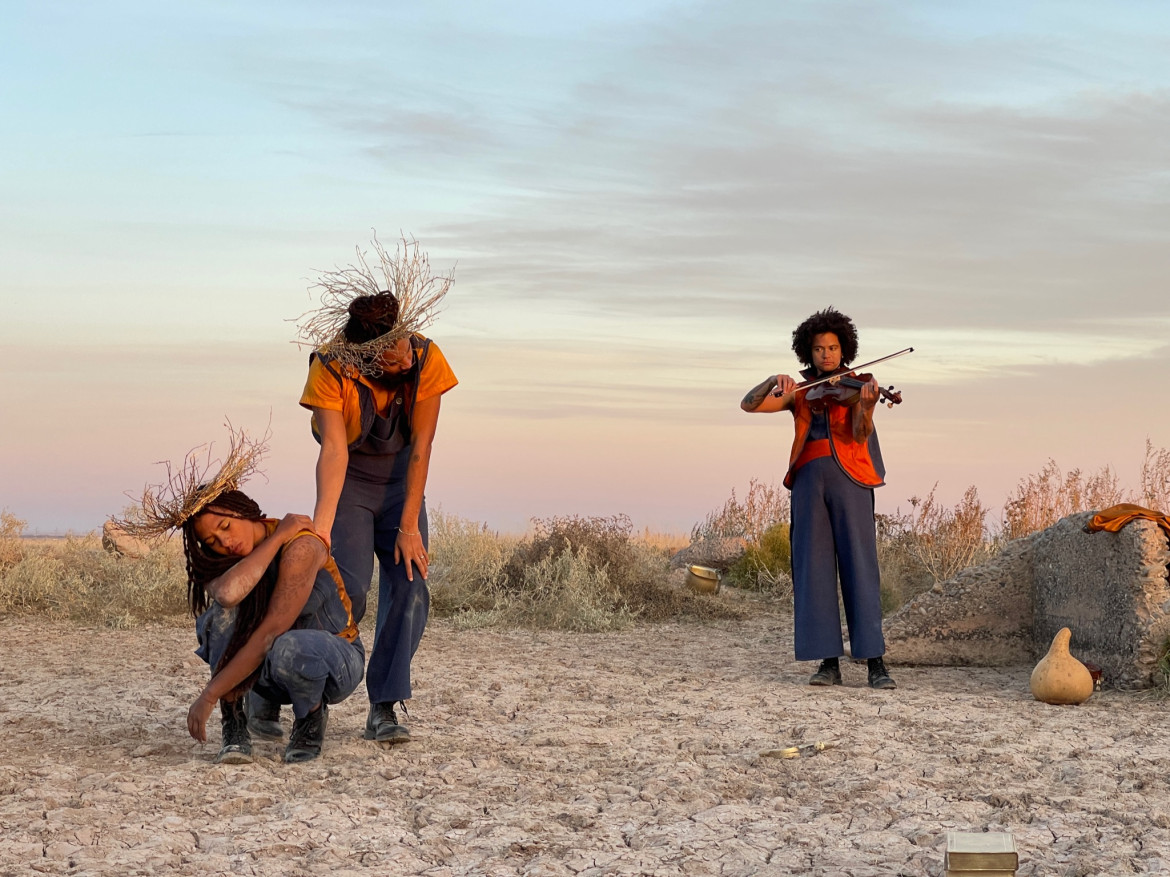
(802, 749)
(703, 579)
(986, 853)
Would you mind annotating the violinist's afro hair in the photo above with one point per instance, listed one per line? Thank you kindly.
(828, 320)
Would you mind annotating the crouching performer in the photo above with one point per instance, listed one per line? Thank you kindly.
(273, 616)
(833, 468)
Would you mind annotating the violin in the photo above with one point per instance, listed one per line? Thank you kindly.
(846, 390)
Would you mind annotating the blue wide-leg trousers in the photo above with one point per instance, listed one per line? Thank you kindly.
(833, 533)
(366, 525)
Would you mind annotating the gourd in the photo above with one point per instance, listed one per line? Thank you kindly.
(1059, 677)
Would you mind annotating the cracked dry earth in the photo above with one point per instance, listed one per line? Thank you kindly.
(561, 754)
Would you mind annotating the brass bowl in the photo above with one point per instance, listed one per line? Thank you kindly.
(703, 579)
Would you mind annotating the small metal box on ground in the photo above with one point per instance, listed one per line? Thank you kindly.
(980, 854)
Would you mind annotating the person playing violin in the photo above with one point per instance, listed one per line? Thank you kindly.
(833, 468)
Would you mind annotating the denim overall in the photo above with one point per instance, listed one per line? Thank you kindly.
(366, 525)
(307, 664)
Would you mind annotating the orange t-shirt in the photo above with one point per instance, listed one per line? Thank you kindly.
(323, 390)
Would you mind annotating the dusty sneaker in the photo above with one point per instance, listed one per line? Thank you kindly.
(307, 736)
(237, 742)
(382, 724)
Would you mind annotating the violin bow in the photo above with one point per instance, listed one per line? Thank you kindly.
(828, 379)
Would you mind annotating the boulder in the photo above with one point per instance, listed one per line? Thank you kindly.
(117, 541)
(1110, 589)
(717, 552)
(981, 617)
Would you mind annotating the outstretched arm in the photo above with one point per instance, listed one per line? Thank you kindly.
(409, 545)
(759, 398)
(299, 564)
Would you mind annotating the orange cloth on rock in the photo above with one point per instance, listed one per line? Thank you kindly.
(1115, 517)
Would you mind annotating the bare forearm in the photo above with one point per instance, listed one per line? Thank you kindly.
(234, 585)
(757, 394)
(417, 471)
(331, 466)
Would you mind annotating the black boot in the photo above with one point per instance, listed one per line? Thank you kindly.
(307, 736)
(829, 673)
(263, 717)
(237, 742)
(879, 677)
(382, 724)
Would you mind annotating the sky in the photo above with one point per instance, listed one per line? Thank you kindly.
(639, 202)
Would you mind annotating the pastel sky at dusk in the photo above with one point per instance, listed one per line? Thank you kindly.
(639, 200)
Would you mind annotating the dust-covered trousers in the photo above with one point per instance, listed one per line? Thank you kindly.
(366, 524)
(833, 533)
(304, 666)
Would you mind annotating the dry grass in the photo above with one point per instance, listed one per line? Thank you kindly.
(1042, 499)
(77, 579)
(571, 573)
(575, 573)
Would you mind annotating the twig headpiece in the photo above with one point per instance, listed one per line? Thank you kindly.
(405, 273)
(188, 491)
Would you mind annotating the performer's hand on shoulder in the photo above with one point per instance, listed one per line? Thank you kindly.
(291, 524)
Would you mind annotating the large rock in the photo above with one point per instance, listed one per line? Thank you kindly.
(983, 616)
(1110, 589)
(718, 552)
(117, 541)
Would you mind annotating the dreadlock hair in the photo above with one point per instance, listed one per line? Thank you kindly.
(370, 317)
(205, 565)
(828, 320)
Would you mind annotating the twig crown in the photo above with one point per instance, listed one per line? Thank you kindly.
(406, 273)
(187, 490)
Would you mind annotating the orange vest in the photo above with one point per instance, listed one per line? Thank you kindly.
(852, 456)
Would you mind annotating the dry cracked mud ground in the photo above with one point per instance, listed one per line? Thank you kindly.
(569, 754)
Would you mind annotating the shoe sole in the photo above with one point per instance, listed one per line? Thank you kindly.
(233, 756)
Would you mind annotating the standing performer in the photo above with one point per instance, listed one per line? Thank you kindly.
(272, 613)
(833, 468)
(374, 388)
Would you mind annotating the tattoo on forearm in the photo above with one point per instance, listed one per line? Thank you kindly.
(758, 394)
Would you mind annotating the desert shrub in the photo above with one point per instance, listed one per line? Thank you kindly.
(930, 544)
(77, 579)
(764, 506)
(572, 573)
(767, 564)
(11, 531)
(467, 563)
(947, 540)
(1042, 499)
(1155, 479)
